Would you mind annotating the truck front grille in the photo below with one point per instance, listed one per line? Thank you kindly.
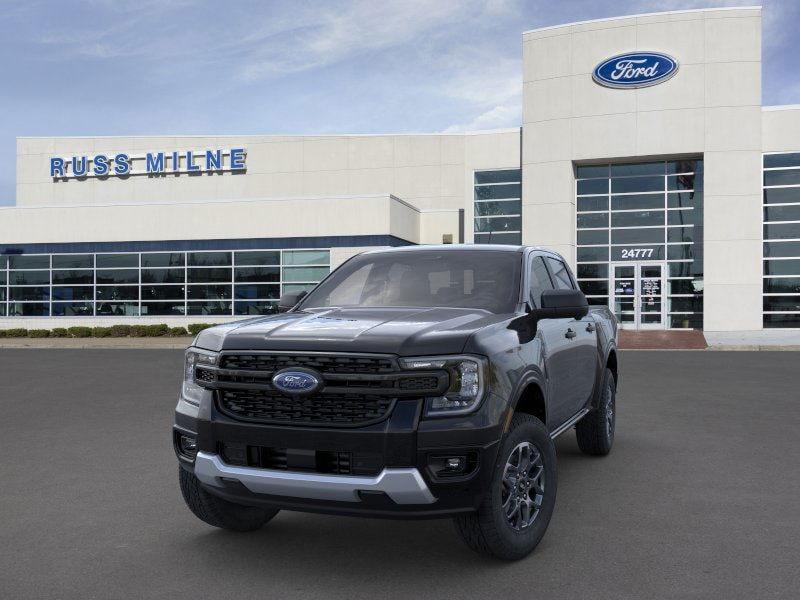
(342, 410)
(366, 365)
(289, 459)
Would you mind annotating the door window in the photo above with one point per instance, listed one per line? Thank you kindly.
(561, 277)
(539, 280)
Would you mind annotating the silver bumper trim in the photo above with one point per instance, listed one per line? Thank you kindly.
(404, 485)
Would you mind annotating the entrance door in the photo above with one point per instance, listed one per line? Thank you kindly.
(637, 294)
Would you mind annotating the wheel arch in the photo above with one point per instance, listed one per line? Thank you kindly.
(529, 399)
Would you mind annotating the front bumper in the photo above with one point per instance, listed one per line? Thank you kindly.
(404, 486)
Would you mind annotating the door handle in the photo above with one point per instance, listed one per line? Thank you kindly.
(570, 334)
(590, 327)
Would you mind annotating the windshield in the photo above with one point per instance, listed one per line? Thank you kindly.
(486, 279)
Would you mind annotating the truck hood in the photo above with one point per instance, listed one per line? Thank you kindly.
(401, 331)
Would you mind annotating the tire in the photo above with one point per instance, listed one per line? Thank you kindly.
(489, 531)
(218, 512)
(595, 432)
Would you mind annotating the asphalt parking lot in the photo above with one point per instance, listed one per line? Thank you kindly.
(700, 497)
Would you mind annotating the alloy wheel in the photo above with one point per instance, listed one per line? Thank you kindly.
(523, 486)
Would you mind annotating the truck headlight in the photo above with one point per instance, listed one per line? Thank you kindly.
(192, 392)
(467, 382)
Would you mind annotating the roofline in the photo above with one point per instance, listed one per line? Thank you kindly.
(651, 14)
(782, 107)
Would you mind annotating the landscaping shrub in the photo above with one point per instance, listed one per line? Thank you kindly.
(59, 332)
(38, 333)
(157, 330)
(16, 332)
(138, 331)
(120, 330)
(195, 328)
(80, 332)
(101, 332)
(177, 331)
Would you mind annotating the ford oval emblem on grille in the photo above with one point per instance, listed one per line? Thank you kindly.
(295, 381)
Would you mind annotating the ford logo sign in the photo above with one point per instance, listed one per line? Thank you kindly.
(295, 382)
(635, 70)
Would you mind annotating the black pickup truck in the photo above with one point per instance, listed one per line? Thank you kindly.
(419, 382)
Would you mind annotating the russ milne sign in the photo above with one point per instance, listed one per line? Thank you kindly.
(152, 163)
(635, 70)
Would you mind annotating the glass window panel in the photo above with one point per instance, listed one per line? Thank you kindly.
(3, 262)
(774, 321)
(83, 292)
(592, 254)
(782, 231)
(782, 267)
(684, 166)
(117, 309)
(592, 186)
(592, 271)
(257, 274)
(782, 213)
(586, 171)
(686, 321)
(637, 219)
(782, 303)
(73, 309)
(593, 220)
(118, 276)
(501, 176)
(648, 168)
(116, 292)
(116, 261)
(73, 261)
(3, 309)
(2, 294)
(255, 308)
(162, 292)
(162, 308)
(2, 277)
(163, 275)
(679, 251)
(29, 277)
(597, 301)
(494, 192)
(209, 292)
(782, 285)
(268, 257)
(255, 292)
(637, 202)
(164, 259)
(306, 257)
(209, 259)
(685, 286)
(209, 275)
(29, 293)
(637, 184)
(789, 159)
(73, 277)
(782, 195)
(683, 217)
(683, 182)
(302, 274)
(209, 308)
(560, 274)
(681, 269)
(684, 199)
(539, 280)
(596, 203)
(29, 261)
(500, 224)
(637, 236)
(788, 177)
(693, 304)
(498, 238)
(28, 309)
(594, 288)
(294, 288)
(505, 207)
(782, 249)
(680, 234)
(593, 237)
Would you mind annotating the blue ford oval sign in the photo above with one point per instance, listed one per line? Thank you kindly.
(635, 70)
(295, 382)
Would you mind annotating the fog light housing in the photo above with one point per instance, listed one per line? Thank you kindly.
(187, 446)
(453, 465)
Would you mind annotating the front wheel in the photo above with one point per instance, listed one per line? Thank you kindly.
(515, 513)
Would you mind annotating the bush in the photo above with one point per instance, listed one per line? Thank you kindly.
(177, 331)
(16, 332)
(120, 330)
(38, 333)
(138, 331)
(59, 332)
(157, 330)
(80, 332)
(195, 328)
(101, 332)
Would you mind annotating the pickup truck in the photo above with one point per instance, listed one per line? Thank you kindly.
(416, 382)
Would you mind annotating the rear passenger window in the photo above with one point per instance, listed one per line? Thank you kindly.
(561, 277)
(539, 280)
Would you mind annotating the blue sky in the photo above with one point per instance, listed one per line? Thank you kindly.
(152, 67)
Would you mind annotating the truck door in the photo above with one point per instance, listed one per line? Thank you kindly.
(581, 338)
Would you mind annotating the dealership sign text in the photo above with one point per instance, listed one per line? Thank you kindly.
(635, 70)
(122, 164)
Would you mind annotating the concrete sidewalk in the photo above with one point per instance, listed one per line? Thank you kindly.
(765, 339)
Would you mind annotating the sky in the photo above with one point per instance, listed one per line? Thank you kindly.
(172, 67)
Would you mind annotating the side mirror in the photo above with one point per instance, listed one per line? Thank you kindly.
(562, 304)
(290, 300)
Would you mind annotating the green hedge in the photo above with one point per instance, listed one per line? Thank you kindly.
(195, 328)
(116, 331)
(38, 333)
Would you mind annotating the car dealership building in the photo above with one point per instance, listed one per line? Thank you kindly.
(645, 157)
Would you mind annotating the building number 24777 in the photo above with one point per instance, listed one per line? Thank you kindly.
(637, 252)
